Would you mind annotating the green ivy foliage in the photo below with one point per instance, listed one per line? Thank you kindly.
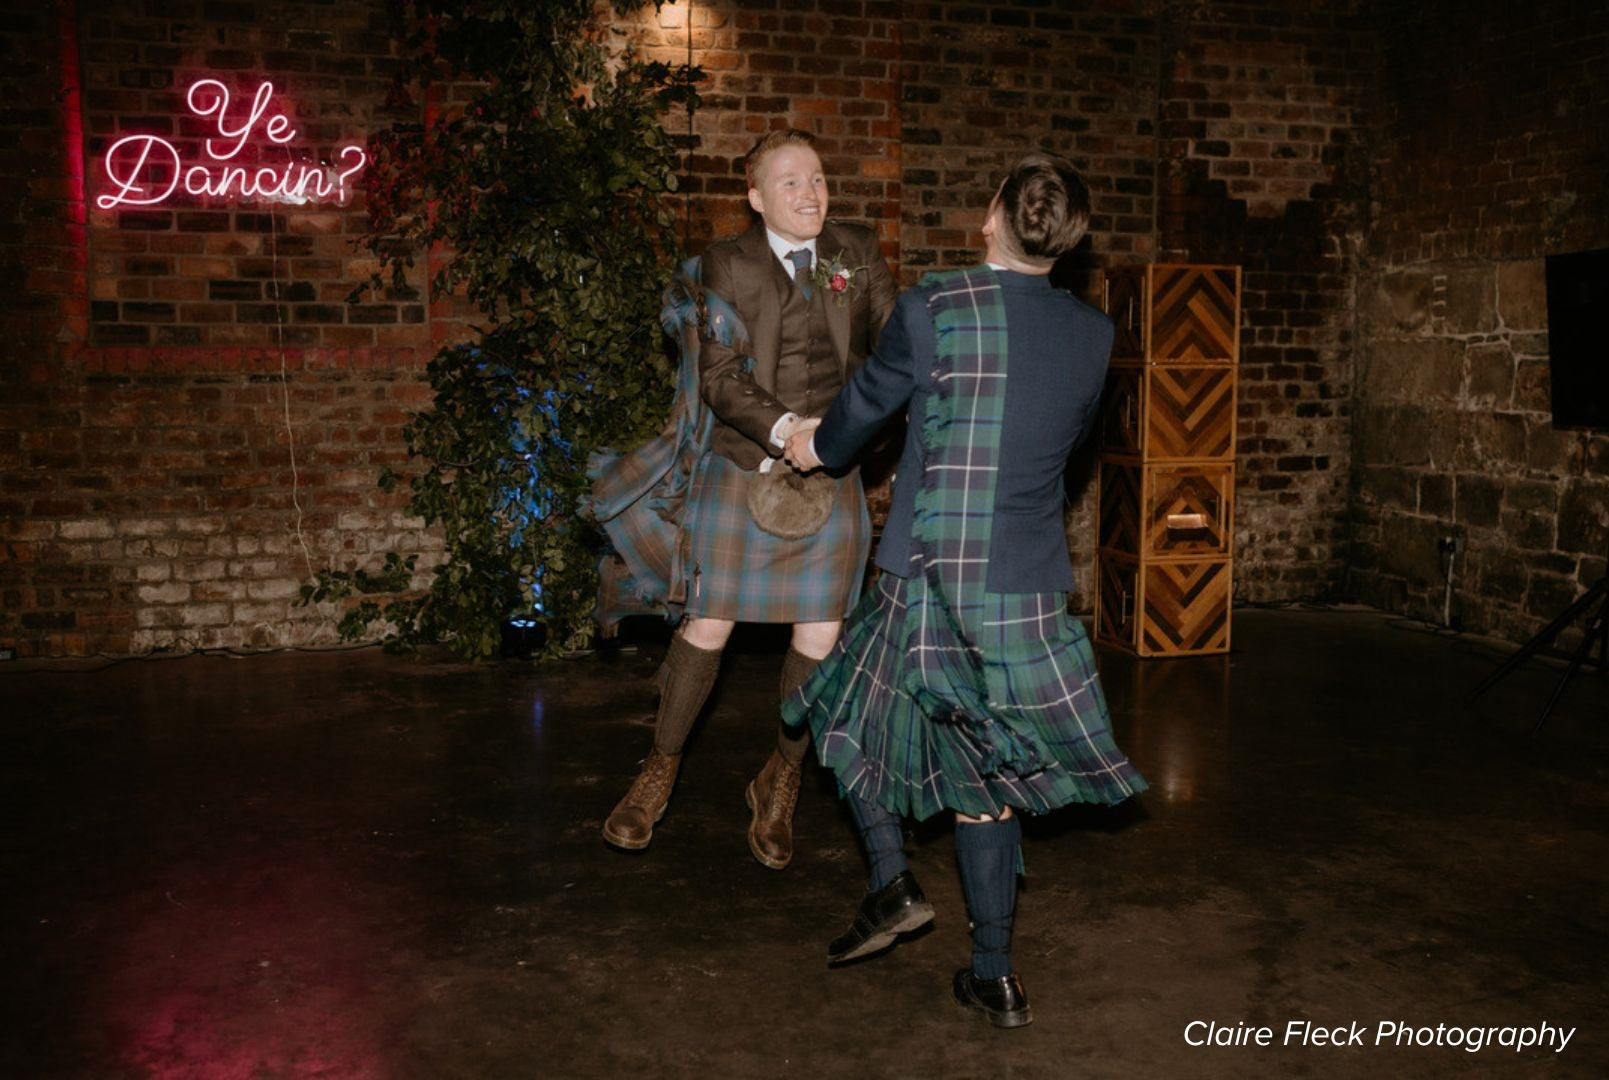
(541, 173)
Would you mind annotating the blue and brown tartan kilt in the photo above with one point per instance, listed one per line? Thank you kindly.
(745, 574)
(872, 734)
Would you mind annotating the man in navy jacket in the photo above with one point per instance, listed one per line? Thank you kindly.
(961, 683)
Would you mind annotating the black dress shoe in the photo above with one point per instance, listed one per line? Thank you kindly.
(897, 908)
(1002, 1000)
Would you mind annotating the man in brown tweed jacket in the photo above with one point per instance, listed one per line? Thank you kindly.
(813, 295)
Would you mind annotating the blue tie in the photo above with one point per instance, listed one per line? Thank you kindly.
(801, 269)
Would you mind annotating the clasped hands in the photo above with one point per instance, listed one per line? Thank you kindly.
(796, 445)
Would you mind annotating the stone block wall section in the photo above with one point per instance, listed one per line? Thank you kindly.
(1491, 157)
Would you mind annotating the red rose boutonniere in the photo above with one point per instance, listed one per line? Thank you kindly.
(836, 276)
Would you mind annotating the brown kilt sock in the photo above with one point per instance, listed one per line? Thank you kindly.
(685, 681)
(794, 742)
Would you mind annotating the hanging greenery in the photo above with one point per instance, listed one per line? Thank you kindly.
(541, 175)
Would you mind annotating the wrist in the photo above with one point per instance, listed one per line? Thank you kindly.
(785, 426)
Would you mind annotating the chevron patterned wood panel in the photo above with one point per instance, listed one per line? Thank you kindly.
(1121, 409)
(1166, 498)
(1116, 587)
(1185, 608)
(1189, 413)
(1187, 510)
(1120, 501)
(1123, 297)
(1195, 314)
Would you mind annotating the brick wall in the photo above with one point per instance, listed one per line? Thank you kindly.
(184, 309)
(1264, 112)
(197, 416)
(1492, 155)
(827, 66)
(982, 84)
(1403, 195)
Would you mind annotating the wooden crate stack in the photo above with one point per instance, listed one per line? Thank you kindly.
(1167, 460)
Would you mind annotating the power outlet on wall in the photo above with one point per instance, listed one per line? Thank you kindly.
(1447, 545)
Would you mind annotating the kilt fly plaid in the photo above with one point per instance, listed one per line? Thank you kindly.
(639, 498)
(941, 695)
(743, 573)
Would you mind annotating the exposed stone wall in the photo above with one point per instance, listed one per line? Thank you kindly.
(1492, 155)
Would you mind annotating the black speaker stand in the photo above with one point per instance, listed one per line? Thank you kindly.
(1596, 636)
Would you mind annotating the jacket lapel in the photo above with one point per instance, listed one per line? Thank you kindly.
(765, 283)
(828, 246)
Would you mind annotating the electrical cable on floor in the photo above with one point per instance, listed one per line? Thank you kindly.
(284, 386)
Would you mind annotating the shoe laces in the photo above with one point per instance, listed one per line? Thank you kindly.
(784, 792)
(653, 782)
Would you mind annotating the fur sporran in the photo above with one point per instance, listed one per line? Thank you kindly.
(789, 504)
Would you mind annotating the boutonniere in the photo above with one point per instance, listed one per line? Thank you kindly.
(836, 276)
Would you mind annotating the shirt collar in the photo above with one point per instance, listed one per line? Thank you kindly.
(780, 248)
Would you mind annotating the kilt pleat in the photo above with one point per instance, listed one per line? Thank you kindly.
(742, 573)
(1044, 695)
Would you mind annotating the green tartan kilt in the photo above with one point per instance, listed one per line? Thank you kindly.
(1042, 682)
(742, 573)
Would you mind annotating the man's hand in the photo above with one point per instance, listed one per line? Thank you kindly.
(797, 452)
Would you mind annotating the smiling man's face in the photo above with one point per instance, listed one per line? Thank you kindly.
(792, 193)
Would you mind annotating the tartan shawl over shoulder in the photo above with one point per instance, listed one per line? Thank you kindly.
(945, 671)
(640, 497)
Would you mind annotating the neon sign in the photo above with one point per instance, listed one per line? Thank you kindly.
(148, 169)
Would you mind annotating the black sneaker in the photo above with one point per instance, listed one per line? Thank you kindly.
(1001, 1000)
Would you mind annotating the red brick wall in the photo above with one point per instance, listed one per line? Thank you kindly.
(1492, 155)
(143, 442)
(982, 84)
(177, 356)
(153, 450)
(827, 66)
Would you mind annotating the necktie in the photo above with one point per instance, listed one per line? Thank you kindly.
(800, 258)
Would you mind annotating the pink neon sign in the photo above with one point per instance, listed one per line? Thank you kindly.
(148, 169)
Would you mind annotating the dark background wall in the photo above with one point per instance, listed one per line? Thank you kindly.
(1492, 153)
(1388, 179)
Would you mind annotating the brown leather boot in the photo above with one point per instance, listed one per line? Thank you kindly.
(631, 823)
(772, 796)
(685, 681)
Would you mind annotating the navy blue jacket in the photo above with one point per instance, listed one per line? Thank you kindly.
(1058, 351)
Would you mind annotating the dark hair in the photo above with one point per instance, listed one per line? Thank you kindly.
(774, 140)
(1044, 206)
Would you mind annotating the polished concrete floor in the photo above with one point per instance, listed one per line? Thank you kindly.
(361, 865)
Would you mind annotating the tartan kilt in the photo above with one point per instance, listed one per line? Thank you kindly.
(1042, 685)
(742, 573)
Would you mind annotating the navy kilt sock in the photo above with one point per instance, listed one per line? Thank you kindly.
(881, 837)
(986, 853)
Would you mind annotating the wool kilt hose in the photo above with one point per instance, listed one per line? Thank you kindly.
(747, 575)
(1042, 682)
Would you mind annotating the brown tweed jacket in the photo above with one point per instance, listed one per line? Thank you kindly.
(744, 272)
